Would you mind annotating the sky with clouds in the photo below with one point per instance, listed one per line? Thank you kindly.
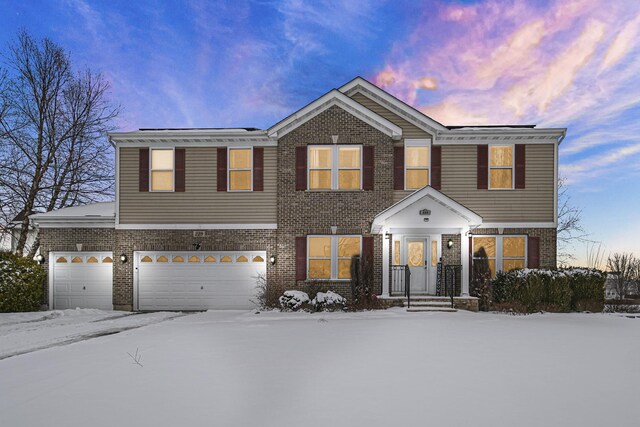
(554, 63)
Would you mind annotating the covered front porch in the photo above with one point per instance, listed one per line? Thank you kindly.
(425, 246)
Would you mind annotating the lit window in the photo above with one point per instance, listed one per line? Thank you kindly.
(242, 258)
(162, 258)
(209, 258)
(500, 166)
(92, 259)
(61, 260)
(162, 170)
(329, 257)
(416, 164)
(177, 258)
(107, 259)
(258, 258)
(194, 258)
(76, 260)
(146, 259)
(240, 167)
(225, 259)
(502, 253)
(337, 167)
(396, 252)
(434, 253)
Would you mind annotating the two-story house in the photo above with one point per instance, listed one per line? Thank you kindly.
(199, 213)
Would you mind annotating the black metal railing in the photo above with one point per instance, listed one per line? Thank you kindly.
(452, 281)
(401, 281)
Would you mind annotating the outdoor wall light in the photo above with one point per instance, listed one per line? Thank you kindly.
(40, 258)
(272, 260)
(450, 243)
(123, 258)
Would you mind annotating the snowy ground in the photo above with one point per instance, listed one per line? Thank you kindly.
(383, 368)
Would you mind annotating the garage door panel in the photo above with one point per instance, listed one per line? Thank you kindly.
(199, 285)
(82, 280)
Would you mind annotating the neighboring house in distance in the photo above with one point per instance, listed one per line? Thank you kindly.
(200, 212)
(9, 239)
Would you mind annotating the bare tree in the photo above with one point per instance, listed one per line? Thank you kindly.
(54, 151)
(627, 271)
(570, 228)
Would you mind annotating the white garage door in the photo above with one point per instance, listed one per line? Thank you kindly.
(82, 280)
(198, 280)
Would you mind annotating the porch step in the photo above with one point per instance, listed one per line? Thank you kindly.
(429, 303)
(421, 309)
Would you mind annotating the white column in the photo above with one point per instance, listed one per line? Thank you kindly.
(385, 264)
(464, 256)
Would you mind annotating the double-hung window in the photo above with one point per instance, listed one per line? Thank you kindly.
(502, 253)
(501, 167)
(335, 167)
(416, 164)
(162, 169)
(240, 169)
(329, 257)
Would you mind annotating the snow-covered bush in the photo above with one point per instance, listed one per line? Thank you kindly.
(328, 301)
(21, 282)
(530, 290)
(293, 300)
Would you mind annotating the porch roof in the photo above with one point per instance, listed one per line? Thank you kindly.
(426, 208)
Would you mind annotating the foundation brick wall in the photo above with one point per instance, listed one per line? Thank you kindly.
(301, 213)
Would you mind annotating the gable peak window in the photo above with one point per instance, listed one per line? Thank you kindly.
(162, 169)
(335, 167)
(501, 160)
(240, 169)
(416, 164)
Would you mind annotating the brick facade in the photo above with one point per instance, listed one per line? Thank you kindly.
(301, 213)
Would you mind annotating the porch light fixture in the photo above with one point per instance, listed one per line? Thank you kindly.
(272, 260)
(123, 258)
(40, 258)
(449, 243)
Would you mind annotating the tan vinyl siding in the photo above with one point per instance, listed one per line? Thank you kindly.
(409, 131)
(200, 203)
(534, 203)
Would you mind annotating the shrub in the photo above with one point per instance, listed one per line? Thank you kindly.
(549, 290)
(21, 282)
(294, 300)
(363, 296)
(328, 301)
(268, 296)
(481, 280)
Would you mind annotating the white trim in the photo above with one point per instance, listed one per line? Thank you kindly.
(50, 279)
(333, 257)
(555, 182)
(417, 143)
(371, 91)
(518, 225)
(229, 190)
(512, 167)
(117, 181)
(266, 226)
(157, 142)
(77, 223)
(173, 169)
(331, 98)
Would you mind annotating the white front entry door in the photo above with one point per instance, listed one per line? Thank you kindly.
(81, 280)
(197, 280)
(416, 250)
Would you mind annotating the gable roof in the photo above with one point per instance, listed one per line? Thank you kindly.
(467, 214)
(331, 98)
(101, 214)
(407, 112)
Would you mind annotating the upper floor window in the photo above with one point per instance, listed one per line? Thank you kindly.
(329, 257)
(500, 166)
(416, 164)
(162, 170)
(502, 253)
(335, 167)
(240, 169)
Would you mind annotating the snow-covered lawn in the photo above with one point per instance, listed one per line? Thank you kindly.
(386, 368)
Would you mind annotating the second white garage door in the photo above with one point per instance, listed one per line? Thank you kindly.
(198, 280)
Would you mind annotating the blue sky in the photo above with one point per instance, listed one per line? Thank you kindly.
(563, 63)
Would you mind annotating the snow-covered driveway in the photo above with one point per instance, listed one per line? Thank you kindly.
(387, 368)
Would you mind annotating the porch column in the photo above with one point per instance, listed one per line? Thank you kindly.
(385, 263)
(464, 256)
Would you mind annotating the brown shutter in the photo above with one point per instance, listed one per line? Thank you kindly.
(180, 169)
(520, 165)
(301, 258)
(398, 168)
(368, 156)
(143, 170)
(301, 168)
(222, 169)
(533, 252)
(436, 167)
(258, 169)
(367, 247)
(483, 167)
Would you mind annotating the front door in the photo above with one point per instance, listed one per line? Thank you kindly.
(417, 260)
